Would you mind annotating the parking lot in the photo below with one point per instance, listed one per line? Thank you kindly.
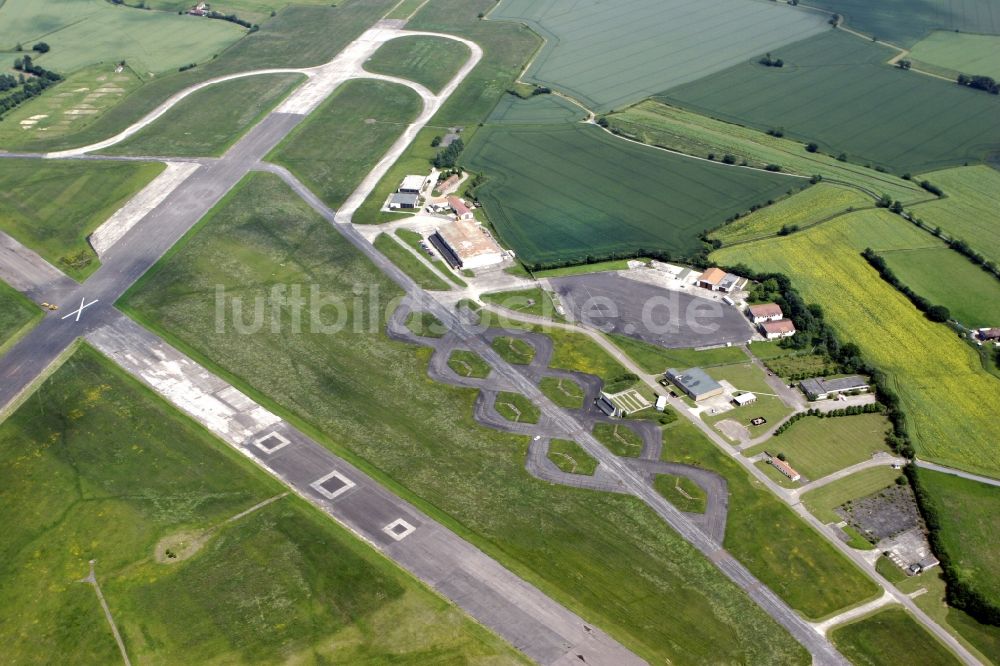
(665, 317)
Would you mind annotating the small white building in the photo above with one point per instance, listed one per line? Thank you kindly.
(661, 403)
(765, 312)
(744, 399)
(775, 330)
(412, 185)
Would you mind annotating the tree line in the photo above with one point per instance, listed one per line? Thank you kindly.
(936, 313)
(853, 410)
(25, 87)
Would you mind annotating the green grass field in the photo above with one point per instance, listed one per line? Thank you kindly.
(514, 350)
(812, 206)
(969, 212)
(748, 377)
(660, 124)
(620, 439)
(862, 101)
(284, 582)
(958, 52)
(515, 407)
(299, 36)
(570, 457)
(86, 32)
(17, 315)
(558, 194)
(822, 501)
(682, 492)
(655, 359)
(51, 207)
(601, 266)
(255, 11)
(409, 264)
(425, 324)
(404, 9)
(820, 446)
(896, 20)
(948, 399)
(211, 120)
(346, 137)
(535, 301)
(887, 638)
(970, 293)
(969, 519)
(430, 61)
(564, 392)
(609, 55)
(424, 444)
(765, 535)
(535, 110)
(468, 364)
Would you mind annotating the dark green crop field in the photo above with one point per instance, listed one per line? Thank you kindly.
(837, 91)
(904, 22)
(558, 194)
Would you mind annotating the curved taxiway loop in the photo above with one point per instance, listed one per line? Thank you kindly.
(647, 465)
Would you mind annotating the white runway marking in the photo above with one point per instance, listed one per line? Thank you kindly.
(79, 311)
(271, 442)
(399, 529)
(344, 485)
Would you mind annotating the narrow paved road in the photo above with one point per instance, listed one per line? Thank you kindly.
(957, 472)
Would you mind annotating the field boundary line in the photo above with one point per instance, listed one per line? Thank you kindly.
(91, 579)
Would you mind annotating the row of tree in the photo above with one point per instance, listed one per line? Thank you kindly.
(853, 410)
(936, 313)
(25, 87)
(448, 158)
(979, 83)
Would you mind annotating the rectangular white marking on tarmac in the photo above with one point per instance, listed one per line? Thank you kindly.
(399, 529)
(271, 442)
(341, 484)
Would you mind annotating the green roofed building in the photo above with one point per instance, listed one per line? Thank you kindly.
(695, 382)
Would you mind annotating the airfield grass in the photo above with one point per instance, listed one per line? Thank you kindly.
(682, 492)
(890, 637)
(429, 61)
(255, 11)
(572, 193)
(284, 582)
(570, 457)
(211, 120)
(564, 392)
(424, 444)
(812, 206)
(409, 264)
(660, 124)
(765, 535)
(948, 399)
(513, 350)
(299, 36)
(822, 501)
(342, 140)
(87, 32)
(17, 315)
(515, 407)
(582, 269)
(982, 640)
(887, 568)
(534, 301)
(68, 107)
(969, 212)
(425, 324)
(51, 207)
(945, 277)
(468, 364)
(956, 52)
(899, 22)
(619, 439)
(413, 239)
(611, 54)
(404, 9)
(656, 359)
(863, 100)
(748, 377)
(818, 446)
(538, 109)
(506, 49)
(968, 516)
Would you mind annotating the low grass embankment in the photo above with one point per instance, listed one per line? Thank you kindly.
(17, 316)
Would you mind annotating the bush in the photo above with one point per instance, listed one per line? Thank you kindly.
(40, 47)
(812, 147)
(773, 167)
(938, 313)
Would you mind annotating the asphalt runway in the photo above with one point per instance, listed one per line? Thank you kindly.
(664, 317)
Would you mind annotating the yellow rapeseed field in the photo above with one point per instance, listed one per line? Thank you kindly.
(950, 401)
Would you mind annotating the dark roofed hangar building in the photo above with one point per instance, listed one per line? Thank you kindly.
(695, 382)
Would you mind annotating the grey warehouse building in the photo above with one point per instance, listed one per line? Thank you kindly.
(695, 382)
